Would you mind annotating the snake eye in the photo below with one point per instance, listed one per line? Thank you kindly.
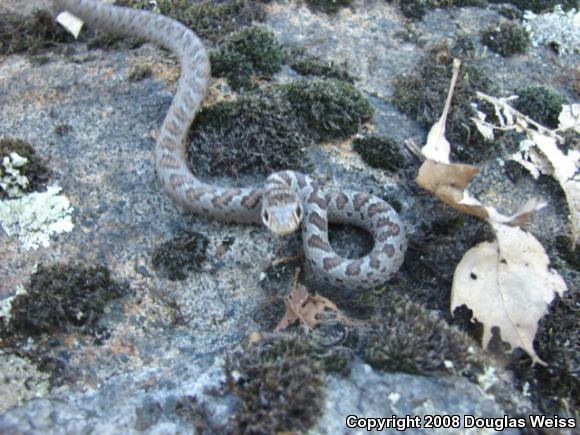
(266, 216)
(298, 212)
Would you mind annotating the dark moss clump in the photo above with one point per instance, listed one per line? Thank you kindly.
(541, 104)
(554, 388)
(410, 338)
(416, 9)
(251, 52)
(258, 133)
(422, 94)
(507, 39)
(331, 108)
(35, 171)
(63, 298)
(184, 253)
(538, 6)
(328, 6)
(380, 152)
(463, 47)
(280, 388)
(62, 129)
(308, 65)
(31, 33)
(190, 408)
(213, 20)
(139, 72)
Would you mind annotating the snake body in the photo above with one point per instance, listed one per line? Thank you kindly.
(284, 199)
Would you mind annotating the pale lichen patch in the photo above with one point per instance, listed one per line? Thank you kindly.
(36, 217)
(13, 182)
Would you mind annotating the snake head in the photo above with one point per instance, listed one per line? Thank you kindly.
(281, 211)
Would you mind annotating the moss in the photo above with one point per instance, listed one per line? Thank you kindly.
(63, 298)
(507, 39)
(34, 170)
(258, 133)
(328, 6)
(554, 388)
(380, 152)
(463, 47)
(139, 72)
(62, 129)
(332, 109)
(213, 20)
(407, 337)
(185, 252)
(416, 9)
(194, 411)
(31, 33)
(422, 92)
(541, 104)
(251, 52)
(538, 6)
(279, 387)
(305, 64)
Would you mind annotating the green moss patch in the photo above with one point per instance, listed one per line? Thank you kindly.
(332, 109)
(541, 104)
(507, 39)
(212, 20)
(251, 52)
(34, 170)
(63, 298)
(258, 133)
(407, 337)
(328, 6)
(416, 9)
(279, 387)
(422, 92)
(379, 152)
(184, 253)
(31, 33)
(309, 65)
(538, 6)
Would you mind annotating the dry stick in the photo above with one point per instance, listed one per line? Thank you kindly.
(517, 114)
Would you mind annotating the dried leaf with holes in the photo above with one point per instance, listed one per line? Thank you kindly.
(508, 284)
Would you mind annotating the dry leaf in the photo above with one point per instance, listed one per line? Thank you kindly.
(71, 23)
(300, 306)
(437, 147)
(508, 284)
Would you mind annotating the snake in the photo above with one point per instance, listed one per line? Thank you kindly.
(285, 200)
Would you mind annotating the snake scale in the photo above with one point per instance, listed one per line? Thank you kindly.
(284, 199)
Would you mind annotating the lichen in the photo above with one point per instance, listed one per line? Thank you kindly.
(36, 217)
(33, 169)
(11, 180)
(507, 39)
(558, 29)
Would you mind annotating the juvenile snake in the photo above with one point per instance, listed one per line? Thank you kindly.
(284, 199)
